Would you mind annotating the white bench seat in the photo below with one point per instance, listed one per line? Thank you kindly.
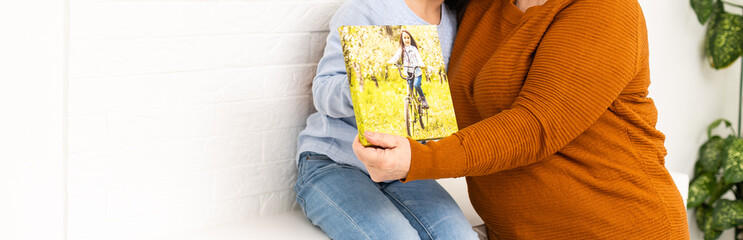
(293, 225)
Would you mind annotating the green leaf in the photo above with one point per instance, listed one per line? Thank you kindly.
(712, 234)
(724, 39)
(711, 154)
(733, 160)
(698, 169)
(717, 123)
(703, 8)
(727, 214)
(704, 220)
(703, 213)
(700, 189)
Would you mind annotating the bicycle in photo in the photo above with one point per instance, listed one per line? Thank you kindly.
(414, 110)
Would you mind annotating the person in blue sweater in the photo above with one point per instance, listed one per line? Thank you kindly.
(333, 187)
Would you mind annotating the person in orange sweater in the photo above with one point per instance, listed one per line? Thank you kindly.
(558, 137)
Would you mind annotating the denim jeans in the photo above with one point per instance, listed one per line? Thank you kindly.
(416, 85)
(346, 204)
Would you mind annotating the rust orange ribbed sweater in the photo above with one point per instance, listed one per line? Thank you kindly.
(557, 136)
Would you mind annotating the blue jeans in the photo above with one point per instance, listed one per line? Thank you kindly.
(416, 83)
(346, 204)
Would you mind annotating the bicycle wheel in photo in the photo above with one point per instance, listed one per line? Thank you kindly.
(421, 111)
(414, 114)
(407, 109)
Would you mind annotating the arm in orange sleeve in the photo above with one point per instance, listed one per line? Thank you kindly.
(584, 61)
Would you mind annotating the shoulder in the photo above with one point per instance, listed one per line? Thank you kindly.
(362, 12)
(611, 15)
(599, 7)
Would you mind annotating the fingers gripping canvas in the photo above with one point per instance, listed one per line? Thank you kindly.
(398, 81)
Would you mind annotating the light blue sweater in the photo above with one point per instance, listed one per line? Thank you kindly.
(332, 129)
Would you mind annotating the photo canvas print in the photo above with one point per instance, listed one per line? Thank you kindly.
(398, 81)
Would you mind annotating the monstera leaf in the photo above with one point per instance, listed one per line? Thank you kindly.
(700, 189)
(733, 160)
(727, 214)
(703, 8)
(711, 154)
(704, 222)
(724, 37)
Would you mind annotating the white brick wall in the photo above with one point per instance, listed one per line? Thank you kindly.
(184, 113)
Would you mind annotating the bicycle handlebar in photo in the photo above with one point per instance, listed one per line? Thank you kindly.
(400, 67)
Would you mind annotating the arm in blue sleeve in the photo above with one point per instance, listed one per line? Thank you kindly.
(330, 89)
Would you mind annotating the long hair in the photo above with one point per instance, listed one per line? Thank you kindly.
(457, 5)
(402, 44)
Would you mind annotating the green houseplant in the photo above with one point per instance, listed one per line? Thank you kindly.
(719, 168)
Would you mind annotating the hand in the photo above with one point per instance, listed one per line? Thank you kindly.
(389, 161)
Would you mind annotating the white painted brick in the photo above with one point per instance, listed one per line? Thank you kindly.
(189, 156)
(152, 127)
(264, 49)
(85, 205)
(142, 198)
(194, 88)
(87, 169)
(317, 45)
(135, 128)
(133, 164)
(106, 95)
(156, 91)
(242, 84)
(240, 17)
(95, 231)
(288, 112)
(240, 117)
(239, 150)
(186, 218)
(280, 144)
(135, 227)
(245, 117)
(273, 16)
(188, 122)
(282, 81)
(208, 154)
(235, 209)
(114, 166)
(256, 179)
(116, 20)
(278, 202)
(90, 58)
(293, 17)
(87, 133)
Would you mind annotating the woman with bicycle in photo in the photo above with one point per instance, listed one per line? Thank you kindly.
(412, 63)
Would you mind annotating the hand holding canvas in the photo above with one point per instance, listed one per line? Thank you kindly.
(389, 160)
